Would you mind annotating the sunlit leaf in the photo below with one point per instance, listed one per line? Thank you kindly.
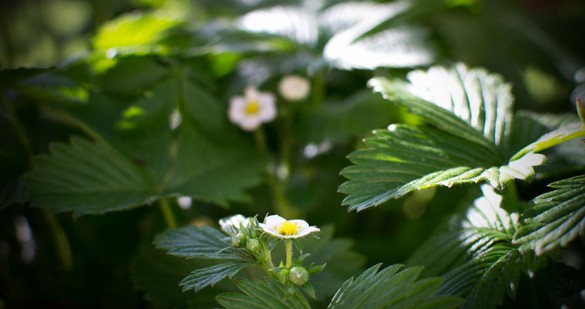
(296, 24)
(465, 138)
(134, 33)
(353, 47)
(263, 294)
(391, 288)
(474, 252)
(554, 218)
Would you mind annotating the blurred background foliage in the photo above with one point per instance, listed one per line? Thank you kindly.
(113, 51)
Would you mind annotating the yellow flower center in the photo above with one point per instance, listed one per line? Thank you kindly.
(288, 228)
(252, 108)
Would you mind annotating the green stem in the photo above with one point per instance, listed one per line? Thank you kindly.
(318, 88)
(288, 244)
(61, 241)
(167, 212)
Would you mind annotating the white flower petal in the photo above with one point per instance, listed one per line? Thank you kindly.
(272, 225)
(294, 87)
(231, 225)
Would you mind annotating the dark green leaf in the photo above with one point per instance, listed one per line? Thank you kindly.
(391, 288)
(204, 157)
(200, 242)
(209, 276)
(554, 218)
(159, 274)
(87, 178)
(268, 294)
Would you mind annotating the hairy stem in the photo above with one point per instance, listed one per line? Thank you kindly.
(288, 245)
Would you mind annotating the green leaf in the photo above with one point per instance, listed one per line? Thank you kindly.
(200, 242)
(134, 33)
(297, 24)
(554, 218)
(268, 294)
(465, 138)
(391, 288)
(342, 119)
(353, 46)
(341, 262)
(87, 178)
(474, 252)
(204, 157)
(209, 276)
(158, 275)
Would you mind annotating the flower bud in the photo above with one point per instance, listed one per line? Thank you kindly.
(238, 240)
(281, 274)
(298, 275)
(253, 245)
(294, 87)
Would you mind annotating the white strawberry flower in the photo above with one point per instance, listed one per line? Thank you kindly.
(287, 229)
(294, 87)
(231, 225)
(253, 109)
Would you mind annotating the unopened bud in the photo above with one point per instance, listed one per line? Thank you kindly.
(238, 240)
(294, 87)
(253, 245)
(298, 275)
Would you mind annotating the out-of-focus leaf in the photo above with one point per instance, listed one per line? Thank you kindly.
(265, 294)
(354, 47)
(392, 288)
(87, 178)
(474, 253)
(204, 157)
(297, 24)
(396, 48)
(134, 33)
(337, 121)
(554, 218)
(132, 75)
(159, 274)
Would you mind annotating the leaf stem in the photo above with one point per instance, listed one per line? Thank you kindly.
(167, 212)
(288, 246)
(61, 241)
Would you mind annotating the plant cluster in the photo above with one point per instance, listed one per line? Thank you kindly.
(183, 115)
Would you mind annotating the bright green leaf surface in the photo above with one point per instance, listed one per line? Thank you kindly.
(391, 288)
(555, 218)
(466, 138)
(265, 294)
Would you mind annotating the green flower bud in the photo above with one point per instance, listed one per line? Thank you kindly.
(238, 240)
(253, 245)
(298, 275)
(281, 274)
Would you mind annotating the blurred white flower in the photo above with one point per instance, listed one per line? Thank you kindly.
(294, 87)
(253, 109)
(280, 227)
(232, 224)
